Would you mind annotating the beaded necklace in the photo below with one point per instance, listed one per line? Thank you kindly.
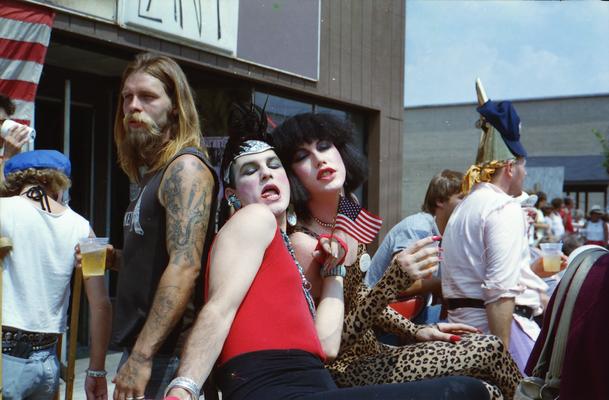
(329, 225)
(306, 285)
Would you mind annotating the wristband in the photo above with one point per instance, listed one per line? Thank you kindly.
(96, 374)
(185, 383)
(339, 270)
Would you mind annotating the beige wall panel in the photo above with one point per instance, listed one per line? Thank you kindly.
(356, 50)
(346, 66)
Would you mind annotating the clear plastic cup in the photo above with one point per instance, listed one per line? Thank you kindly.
(551, 253)
(93, 252)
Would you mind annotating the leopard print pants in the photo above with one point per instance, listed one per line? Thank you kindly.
(363, 360)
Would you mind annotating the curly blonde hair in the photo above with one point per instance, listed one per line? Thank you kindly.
(51, 180)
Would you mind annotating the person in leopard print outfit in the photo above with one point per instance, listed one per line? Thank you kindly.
(324, 164)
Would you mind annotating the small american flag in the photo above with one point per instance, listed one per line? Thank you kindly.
(356, 221)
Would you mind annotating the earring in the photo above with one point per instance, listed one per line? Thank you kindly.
(234, 202)
(291, 216)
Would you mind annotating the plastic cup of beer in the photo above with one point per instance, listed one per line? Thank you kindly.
(93, 252)
(551, 253)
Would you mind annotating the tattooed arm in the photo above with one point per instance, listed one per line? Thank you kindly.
(236, 256)
(186, 192)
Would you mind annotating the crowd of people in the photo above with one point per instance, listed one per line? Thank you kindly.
(274, 301)
(559, 221)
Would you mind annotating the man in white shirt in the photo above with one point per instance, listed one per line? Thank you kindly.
(486, 278)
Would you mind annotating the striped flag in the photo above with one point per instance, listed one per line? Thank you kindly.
(356, 221)
(25, 30)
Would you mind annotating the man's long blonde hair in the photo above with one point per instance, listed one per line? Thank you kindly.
(185, 130)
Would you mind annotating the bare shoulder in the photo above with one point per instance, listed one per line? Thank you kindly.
(303, 241)
(185, 177)
(254, 222)
(189, 165)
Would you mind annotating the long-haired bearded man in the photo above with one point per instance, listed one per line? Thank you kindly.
(167, 227)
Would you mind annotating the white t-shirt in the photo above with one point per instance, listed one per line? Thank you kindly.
(595, 231)
(486, 255)
(556, 225)
(37, 271)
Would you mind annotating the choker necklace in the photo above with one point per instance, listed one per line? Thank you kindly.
(306, 285)
(37, 193)
(322, 223)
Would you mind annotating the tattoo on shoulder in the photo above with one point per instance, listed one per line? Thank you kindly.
(187, 204)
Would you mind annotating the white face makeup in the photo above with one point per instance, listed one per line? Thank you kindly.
(260, 178)
(319, 166)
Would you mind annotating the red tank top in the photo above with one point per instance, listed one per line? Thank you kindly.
(274, 314)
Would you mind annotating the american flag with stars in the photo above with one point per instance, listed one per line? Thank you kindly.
(357, 221)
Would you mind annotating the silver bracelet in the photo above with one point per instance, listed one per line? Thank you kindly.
(187, 384)
(96, 374)
(338, 270)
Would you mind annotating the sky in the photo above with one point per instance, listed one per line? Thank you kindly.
(519, 49)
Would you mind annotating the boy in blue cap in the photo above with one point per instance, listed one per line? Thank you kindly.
(486, 278)
(36, 278)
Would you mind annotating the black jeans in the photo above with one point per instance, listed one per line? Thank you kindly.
(298, 375)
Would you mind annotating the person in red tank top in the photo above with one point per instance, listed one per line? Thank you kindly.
(259, 320)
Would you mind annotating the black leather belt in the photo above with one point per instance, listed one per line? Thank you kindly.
(453, 304)
(19, 343)
(524, 311)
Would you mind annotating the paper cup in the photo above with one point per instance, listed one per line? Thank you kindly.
(8, 124)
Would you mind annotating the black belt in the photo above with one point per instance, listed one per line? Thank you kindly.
(19, 343)
(524, 311)
(452, 304)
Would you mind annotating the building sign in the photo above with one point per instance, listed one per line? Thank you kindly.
(209, 24)
(282, 35)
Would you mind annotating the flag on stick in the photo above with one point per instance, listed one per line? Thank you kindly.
(357, 221)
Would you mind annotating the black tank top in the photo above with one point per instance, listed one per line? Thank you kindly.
(145, 258)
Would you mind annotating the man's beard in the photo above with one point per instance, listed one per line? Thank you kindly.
(143, 144)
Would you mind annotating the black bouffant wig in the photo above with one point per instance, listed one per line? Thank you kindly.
(306, 128)
(245, 122)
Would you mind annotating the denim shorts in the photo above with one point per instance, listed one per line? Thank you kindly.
(33, 378)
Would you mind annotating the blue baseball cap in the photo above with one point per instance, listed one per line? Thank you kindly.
(503, 117)
(38, 159)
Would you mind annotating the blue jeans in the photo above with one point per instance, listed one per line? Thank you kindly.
(163, 370)
(33, 378)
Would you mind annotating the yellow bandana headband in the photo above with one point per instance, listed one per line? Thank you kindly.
(480, 173)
